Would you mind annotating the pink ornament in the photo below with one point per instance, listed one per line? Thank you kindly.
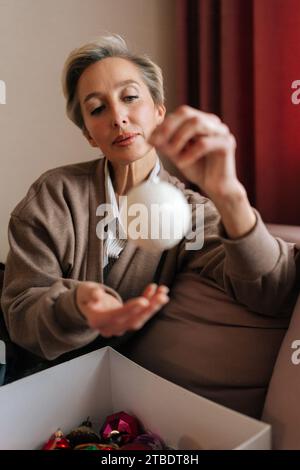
(120, 424)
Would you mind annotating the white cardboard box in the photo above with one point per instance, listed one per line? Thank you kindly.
(103, 382)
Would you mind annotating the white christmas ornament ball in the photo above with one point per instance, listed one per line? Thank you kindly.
(156, 216)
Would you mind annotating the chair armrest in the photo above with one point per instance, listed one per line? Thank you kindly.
(289, 233)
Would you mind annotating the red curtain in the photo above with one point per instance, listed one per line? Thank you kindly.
(238, 59)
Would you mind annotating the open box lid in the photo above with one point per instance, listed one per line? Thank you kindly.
(103, 382)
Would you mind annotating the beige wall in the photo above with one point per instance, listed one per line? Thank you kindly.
(35, 38)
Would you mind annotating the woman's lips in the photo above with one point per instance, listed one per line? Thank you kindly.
(125, 140)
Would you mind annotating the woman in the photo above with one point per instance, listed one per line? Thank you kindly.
(63, 286)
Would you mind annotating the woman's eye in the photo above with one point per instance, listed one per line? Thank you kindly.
(97, 110)
(130, 97)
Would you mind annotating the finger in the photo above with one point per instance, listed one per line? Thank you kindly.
(95, 303)
(162, 289)
(140, 322)
(164, 131)
(135, 320)
(108, 332)
(122, 317)
(99, 318)
(150, 291)
(142, 317)
(158, 301)
(142, 314)
(205, 123)
(134, 306)
(120, 333)
(214, 117)
(201, 147)
(131, 306)
(153, 289)
(90, 291)
(105, 333)
(97, 294)
(190, 130)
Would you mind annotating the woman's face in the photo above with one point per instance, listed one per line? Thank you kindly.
(118, 110)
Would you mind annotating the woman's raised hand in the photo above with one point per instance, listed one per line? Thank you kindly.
(109, 316)
(202, 147)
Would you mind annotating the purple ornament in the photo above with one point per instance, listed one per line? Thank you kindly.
(152, 440)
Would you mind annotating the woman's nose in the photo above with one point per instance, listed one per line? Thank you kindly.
(119, 117)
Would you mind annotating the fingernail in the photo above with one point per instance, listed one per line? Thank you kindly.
(165, 289)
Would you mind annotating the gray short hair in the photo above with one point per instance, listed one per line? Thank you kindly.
(101, 48)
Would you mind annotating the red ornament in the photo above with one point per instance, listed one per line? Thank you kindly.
(57, 442)
(122, 424)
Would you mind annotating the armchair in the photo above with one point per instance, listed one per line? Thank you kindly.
(282, 408)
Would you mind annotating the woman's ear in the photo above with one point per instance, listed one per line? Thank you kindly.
(89, 137)
(161, 110)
